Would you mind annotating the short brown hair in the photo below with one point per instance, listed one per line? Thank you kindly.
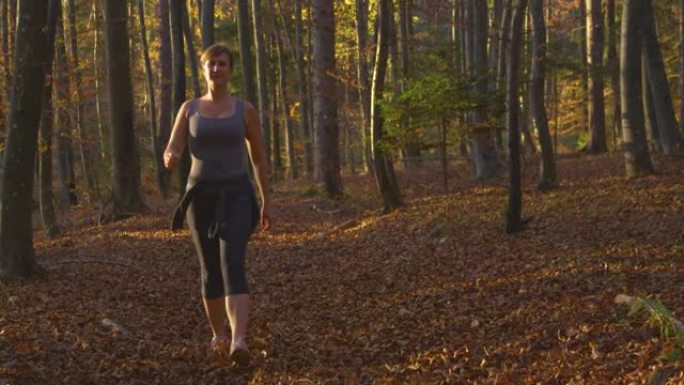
(215, 50)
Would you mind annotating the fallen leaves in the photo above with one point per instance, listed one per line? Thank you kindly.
(433, 293)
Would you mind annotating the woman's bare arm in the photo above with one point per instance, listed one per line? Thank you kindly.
(257, 155)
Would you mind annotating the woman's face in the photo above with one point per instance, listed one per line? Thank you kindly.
(217, 69)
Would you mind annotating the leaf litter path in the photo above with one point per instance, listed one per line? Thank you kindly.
(434, 293)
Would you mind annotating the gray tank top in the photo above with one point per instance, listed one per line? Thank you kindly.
(217, 145)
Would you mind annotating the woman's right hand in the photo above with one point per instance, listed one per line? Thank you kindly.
(170, 160)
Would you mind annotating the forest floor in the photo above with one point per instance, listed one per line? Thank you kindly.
(434, 293)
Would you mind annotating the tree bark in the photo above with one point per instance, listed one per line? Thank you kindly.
(207, 23)
(304, 107)
(637, 159)
(165, 93)
(514, 208)
(650, 119)
(485, 159)
(549, 176)
(584, 75)
(84, 142)
(293, 169)
(597, 119)
(384, 169)
(681, 71)
(192, 55)
(46, 197)
(16, 233)
(363, 50)
(262, 78)
(249, 91)
(178, 92)
(125, 154)
(613, 67)
(326, 128)
(66, 133)
(670, 137)
(156, 148)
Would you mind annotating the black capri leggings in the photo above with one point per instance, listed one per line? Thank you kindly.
(222, 257)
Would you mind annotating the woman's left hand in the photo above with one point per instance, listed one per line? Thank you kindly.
(265, 219)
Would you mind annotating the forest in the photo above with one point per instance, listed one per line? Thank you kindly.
(464, 191)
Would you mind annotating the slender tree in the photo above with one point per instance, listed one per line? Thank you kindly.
(514, 209)
(597, 119)
(66, 133)
(584, 75)
(669, 135)
(165, 92)
(262, 77)
(46, 196)
(192, 55)
(178, 71)
(384, 170)
(548, 173)
(125, 158)
(292, 167)
(326, 129)
(249, 90)
(681, 70)
(363, 50)
(149, 77)
(637, 159)
(304, 107)
(16, 231)
(613, 68)
(485, 159)
(207, 24)
(84, 146)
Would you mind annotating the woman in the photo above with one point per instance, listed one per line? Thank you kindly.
(219, 201)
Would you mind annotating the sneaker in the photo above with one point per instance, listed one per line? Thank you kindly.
(239, 354)
(218, 345)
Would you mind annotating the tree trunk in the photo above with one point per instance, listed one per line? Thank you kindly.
(248, 91)
(670, 137)
(46, 196)
(102, 148)
(277, 153)
(613, 67)
(325, 98)
(584, 76)
(505, 29)
(207, 23)
(304, 107)
(514, 208)
(384, 169)
(485, 159)
(681, 71)
(16, 233)
(66, 133)
(412, 150)
(293, 170)
(597, 119)
(650, 119)
(84, 146)
(126, 160)
(165, 93)
(549, 177)
(363, 50)
(190, 45)
(178, 71)
(156, 148)
(637, 158)
(262, 78)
